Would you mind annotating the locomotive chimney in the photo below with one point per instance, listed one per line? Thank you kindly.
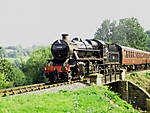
(65, 36)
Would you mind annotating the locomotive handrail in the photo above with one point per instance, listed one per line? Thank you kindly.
(86, 50)
(113, 52)
(110, 63)
(90, 59)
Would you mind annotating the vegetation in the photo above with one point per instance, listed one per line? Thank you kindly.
(15, 53)
(31, 67)
(148, 41)
(141, 79)
(94, 99)
(10, 75)
(127, 33)
(27, 72)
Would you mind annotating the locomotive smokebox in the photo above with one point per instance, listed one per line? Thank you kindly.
(65, 36)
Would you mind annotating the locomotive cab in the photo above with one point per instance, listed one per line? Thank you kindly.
(111, 53)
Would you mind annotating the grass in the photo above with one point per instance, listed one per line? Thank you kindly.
(90, 100)
(141, 79)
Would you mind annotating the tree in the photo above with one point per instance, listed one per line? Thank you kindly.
(0, 50)
(12, 74)
(148, 41)
(128, 33)
(3, 82)
(37, 60)
(134, 34)
(105, 31)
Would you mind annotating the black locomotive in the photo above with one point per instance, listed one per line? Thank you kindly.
(76, 58)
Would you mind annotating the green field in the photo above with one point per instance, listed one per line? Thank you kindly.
(91, 100)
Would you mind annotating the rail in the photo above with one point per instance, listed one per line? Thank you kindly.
(34, 87)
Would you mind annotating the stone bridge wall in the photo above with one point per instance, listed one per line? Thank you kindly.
(133, 94)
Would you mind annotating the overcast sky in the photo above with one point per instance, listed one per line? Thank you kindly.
(41, 22)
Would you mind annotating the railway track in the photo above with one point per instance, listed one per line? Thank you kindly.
(34, 87)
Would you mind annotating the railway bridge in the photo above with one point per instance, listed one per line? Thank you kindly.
(128, 90)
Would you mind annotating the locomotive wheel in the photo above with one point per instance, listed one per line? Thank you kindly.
(81, 76)
(69, 77)
(82, 73)
(50, 78)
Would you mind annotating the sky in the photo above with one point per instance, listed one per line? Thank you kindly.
(41, 22)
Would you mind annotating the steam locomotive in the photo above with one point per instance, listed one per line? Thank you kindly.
(77, 58)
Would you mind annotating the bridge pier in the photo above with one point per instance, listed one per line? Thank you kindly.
(133, 94)
(148, 105)
(123, 90)
(96, 78)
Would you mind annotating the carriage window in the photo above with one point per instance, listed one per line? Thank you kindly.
(139, 55)
(133, 54)
(126, 54)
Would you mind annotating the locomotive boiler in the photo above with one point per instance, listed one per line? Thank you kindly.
(74, 59)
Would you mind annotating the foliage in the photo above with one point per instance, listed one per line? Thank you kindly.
(12, 75)
(134, 74)
(128, 33)
(38, 59)
(3, 82)
(92, 100)
(148, 41)
(147, 75)
(106, 30)
(118, 100)
(14, 53)
(0, 49)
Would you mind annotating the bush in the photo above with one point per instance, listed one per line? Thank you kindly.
(147, 75)
(4, 83)
(134, 74)
(19, 77)
(38, 59)
(10, 74)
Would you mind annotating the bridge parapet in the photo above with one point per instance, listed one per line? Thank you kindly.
(101, 79)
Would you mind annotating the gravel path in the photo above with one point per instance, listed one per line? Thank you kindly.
(70, 87)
